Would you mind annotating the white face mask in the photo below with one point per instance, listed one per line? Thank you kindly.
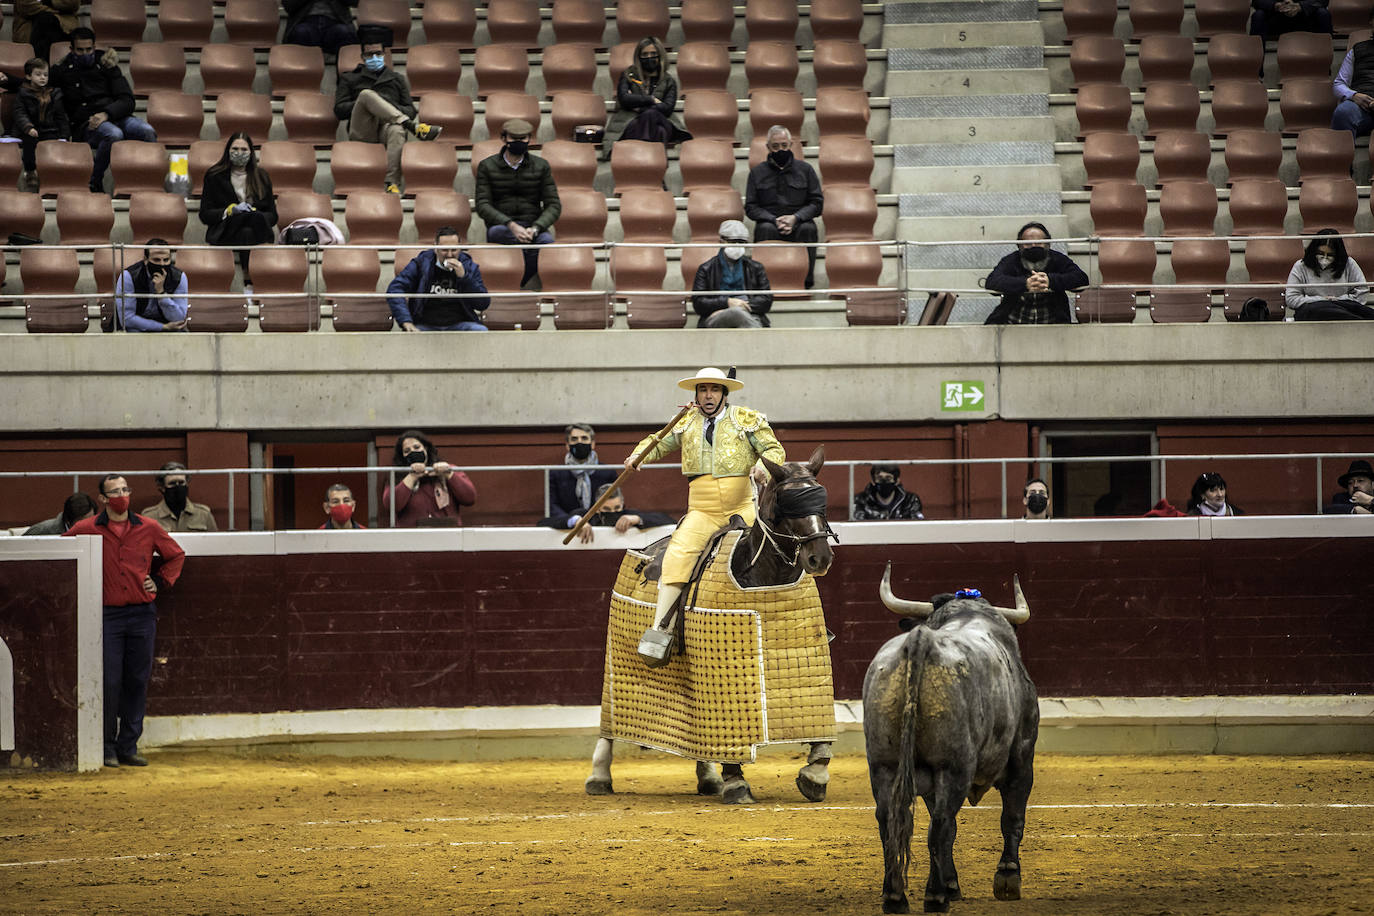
(735, 252)
(1324, 261)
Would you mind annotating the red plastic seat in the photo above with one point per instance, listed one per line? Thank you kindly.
(294, 205)
(851, 267)
(1218, 17)
(185, 22)
(1305, 55)
(1118, 209)
(157, 215)
(240, 110)
(850, 214)
(568, 277)
(866, 308)
(786, 265)
(176, 116)
(622, 55)
(515, 21)
(1235, 56)
(309, 118)
(1171, 106)
(279, 277)
(646, 308)
(1188, 207)
(771, 20)
(582, 21)
(1097, 59)
(709, 20)
(569, 66)
(1155, 17)
(394, 14)
(840, 112)
(703, 65)
(840, 63)
(501, 68)
(1110, 156)
(84, 218)
(64, 165)
(693, 256)
(574, 107)
(21, 211)
(225, 67)
(647, 215)
(138, 167)
(1234, 302)
(433, 68)
(1325, 153)
(374, 217)
(771, 65)
(636, 19)
(203, 154)
(253, 22)
(1349, 16)
(574, 164)
(846, 161)
(290, 163)
(51, 271)
(502, 106)
(428, 167)
(1105, 306)
(707, 208)
(1306, 103)
(436, 209)
(10, 165)
(453, 113)
(1088, 17)
(783, 106)
(1182, 155)
(358, 166)
(1253, 154)
(838, 19)
(1127, 261)
(708, 163)
(1327, 203)
(485, 150)
(1166, 58)
(450, 20)
(1239, 105)
(1102, 106)
(584, 215)
(511, 308)
(210, 271)
(1258, 207)
(119, 23)
(638, 164)
(1271, 260)
(1180, 306)
(350, 273)
(156, 66)
(1201, 261)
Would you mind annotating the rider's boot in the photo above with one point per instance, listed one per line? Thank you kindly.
(656, 645)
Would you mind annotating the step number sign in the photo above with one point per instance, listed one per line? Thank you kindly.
(961, 396)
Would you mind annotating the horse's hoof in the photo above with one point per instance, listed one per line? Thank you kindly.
(1006, 885)
(736, 792)
(599, 786)
(712, 786)
(811, 791)
(896, 906)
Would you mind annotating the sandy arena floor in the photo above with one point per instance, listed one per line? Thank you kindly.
(207, 833)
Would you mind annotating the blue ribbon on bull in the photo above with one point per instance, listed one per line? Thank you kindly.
(968, 593)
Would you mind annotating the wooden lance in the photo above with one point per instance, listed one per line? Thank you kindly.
(634, 466)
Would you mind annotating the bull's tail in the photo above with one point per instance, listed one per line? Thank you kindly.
(900, 813)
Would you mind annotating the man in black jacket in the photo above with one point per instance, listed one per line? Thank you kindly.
(732, 271)
(375, 101)
(1034, 281)
(572, 491)
(1358, 498)
(784, 197)
(325, 24)
(100, 104)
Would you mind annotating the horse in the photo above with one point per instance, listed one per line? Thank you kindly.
(787, 546)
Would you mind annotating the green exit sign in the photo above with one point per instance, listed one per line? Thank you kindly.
(961, 396)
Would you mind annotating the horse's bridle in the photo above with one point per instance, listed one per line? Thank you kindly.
(807, 501)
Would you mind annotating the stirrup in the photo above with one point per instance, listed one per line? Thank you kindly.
(656, 646)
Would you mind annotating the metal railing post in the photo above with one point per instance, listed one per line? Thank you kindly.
(1004, 488)
(851, 492)
(231, 500)
(391, 494)
(1320, 504)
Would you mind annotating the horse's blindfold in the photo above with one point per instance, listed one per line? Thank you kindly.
(801, 502)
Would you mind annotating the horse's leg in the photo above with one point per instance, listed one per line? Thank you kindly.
(599, 783)
(815, 776)
(708, 780)
(736, 791)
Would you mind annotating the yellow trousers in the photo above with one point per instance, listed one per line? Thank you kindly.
(710, 503)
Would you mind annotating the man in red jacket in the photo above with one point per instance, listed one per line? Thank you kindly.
(130, 617)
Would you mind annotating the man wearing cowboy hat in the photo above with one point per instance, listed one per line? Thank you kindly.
(1358, 498)
(721, 443)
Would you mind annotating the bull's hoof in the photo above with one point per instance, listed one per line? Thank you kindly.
(712, 785)
(936, 906)
(597, 786)
(811, 791)
(896, 906)
(952, 892)
(736, 792)
(1006, 885)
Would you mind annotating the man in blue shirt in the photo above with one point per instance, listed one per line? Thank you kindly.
(151, 295)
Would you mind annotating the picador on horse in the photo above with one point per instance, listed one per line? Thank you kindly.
(717, 642)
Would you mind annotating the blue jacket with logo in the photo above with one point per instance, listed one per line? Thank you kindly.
(418, 277)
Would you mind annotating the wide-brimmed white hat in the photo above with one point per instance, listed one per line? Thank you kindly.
(710, 375)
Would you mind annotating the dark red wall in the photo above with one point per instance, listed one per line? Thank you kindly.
(38, 624)
(328, 631)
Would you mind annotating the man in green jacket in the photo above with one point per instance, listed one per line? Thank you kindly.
(516, 195)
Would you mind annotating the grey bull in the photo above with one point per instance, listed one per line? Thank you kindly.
(949, 712)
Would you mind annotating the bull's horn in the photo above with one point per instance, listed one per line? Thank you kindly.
(1020, 613)
(901, 605)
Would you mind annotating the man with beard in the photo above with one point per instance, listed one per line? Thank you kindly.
(1358, 498)
(151, 296)
(176, 512)
(1034, 281)
(721, 443)
(1035, 496)
(885, 498)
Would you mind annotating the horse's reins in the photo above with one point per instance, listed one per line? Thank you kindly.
(796, 502)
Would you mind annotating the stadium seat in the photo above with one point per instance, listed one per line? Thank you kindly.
(839, 63)
(710, 20)
(1200, 261)
(64, 165)
(647, 215)
(225, 67)
(1118, 208)
(176, 116)
(644, 306)
(45, 270)
(253, 22)
(839, 112)
(1235, 299)
(279, 277)
(157, 215)
(21, 212)
(1325, 153)
(574, 107)
(1166, 58)
(209, 270)
(10, 164)
(1239, 105)
(156, 66)
(203, 154)
(514, 21)
(1258, 206)
(1102, 106)
(574, 164)
(84, 218)
(1110, 156)
(569, 66)
(707, 208)
(185, 22)
(580, 21)
(1088, 17)
(771, 65)
(1188, 207)
(1097, 59)
(1326, 203)
(574, 308)
(703, 65)
(1155, 17)
(502, 106)
(784, 106)
(1182, 155)
(484, 150)
(850, 214)
(1349, 16)
(1171, 106)
(1235, 56)
(786, 265)
(240, 110)
(837, 19)
(846, 161)
(435, 209)
(706, 164)
(294, 205)
(635, 19)
(771, 20)
(851, 267)
(428, 167)
(452, 112)
(1127, 261)
(13, 56)
(511, 308)
(1104, 306)
(638, 164)
(394, 14)
(352, 271)
(935, 313)
(309, 118)
(1305, 55)
(450, 20)
(373, 217)
(434, 67)
(290, 163)
(1253, 154)
(621, 56)
(1219, 17)
(875, 307)
(1306, 102)
(584, 215)
(1180, 306)
(1271, 260)
(119, 23)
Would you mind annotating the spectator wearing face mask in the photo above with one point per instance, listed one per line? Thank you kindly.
(176, 512)
(237, 203)
(1209, 497)
(572, 490)
(376, 102)
(784, 197)
(152, 295)
(1327, 284)
(516, 195)
(77, 507)
(644, 100)
(731, 290)
(1035, 497)
(885, 498)
(457, 296)
(1034, 281)
(432, 490)
(338, 509)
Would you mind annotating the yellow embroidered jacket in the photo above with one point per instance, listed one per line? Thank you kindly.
(741, 436)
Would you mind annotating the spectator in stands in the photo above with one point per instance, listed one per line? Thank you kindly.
(614, 514)
(445, 271)
(1035, 497)
(1358, 498)
(644, 100)
(325, 24)
(884, 498)
(176, 512)
(784, 197)
(43, 22)
(431, 491)
(376, 102)
(152, 295)
(1327, 284)
(573, 489)
(1034, 281)
(236, 201)
(39, 114)
(130, 617)
(1354, 88)
(1271, 18)
(516, 195)
(100, 104)
(77, 507)
(732, 271)
(1209, 497)
(338, 508)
